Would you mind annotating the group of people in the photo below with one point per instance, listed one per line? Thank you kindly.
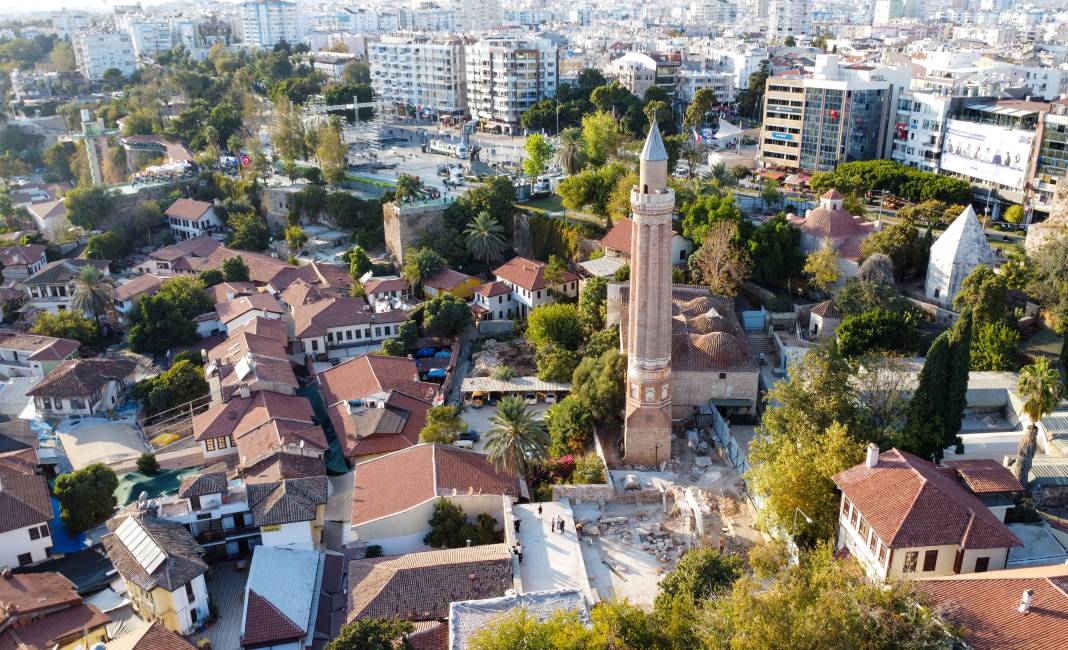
(558, 524)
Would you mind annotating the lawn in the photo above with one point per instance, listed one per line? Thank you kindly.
(551, 203)
(555, 204)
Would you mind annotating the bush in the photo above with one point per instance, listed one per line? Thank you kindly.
(502, 373)
(589, 469)
(67, 325)
(878, 329)
(557, 324)
(570, 425)
(449, 527)
(373, 551)
(561, 469)
(698, 573)
(147, 464)
(555, 363)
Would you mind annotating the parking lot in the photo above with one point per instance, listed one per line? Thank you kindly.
(480, 419)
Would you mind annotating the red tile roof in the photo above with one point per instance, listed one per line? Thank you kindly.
(232, 309)
(986, 476)
(24, 501)
(833, 224)
(371, 374)
(229, 290)
(491, 289)
(188, 209)
(21, 255)
(528, 274)
(420, 586)
(272, 328)
(832, 194)
(27, 593)
(241, 415)
(40, 347)
(393, 483)
(375, 285)
(157, 637)
(82, 377)
(618, 238)
(447, 280)
(143, 285)
(316, 318)
(912, 502)
(300, 293)
(985, 606)
(265, 624)
(393, 427)
(58, 628)
(202, 246)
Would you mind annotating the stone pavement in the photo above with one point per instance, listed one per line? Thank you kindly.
(550, 560)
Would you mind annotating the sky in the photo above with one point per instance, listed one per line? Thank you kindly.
(10, 7)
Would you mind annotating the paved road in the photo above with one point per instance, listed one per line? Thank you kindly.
(551, 560)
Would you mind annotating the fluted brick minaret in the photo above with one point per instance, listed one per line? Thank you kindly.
(647, 432)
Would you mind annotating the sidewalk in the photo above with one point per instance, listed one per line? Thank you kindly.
(550, 560)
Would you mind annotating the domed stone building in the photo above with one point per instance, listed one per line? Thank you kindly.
(831, 222)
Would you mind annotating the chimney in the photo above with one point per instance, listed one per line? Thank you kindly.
(872, 458)
(1025, 601)
(244, 391)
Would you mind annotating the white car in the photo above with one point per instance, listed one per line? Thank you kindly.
(531, 398)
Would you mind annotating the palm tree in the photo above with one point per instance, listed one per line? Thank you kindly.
(485, 237)
(570, 153)
(92, 292)
(516, 440)
(1041, 389)
(721, 175)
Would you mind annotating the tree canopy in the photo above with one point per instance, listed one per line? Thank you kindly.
(86, 496)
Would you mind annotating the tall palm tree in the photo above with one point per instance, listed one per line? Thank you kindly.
(721, 175)
(516, 440)
(92, 292)
(570, 153)
(1041, 389)
(485, 237)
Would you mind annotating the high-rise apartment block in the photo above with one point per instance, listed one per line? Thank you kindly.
(788, 18)
(96, 52)
(265, 23)
(506, 75)
(420, 71)
(477, 15)
(68, 23)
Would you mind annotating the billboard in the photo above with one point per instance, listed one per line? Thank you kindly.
(987, 152)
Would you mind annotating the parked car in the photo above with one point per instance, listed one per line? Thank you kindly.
(478, 399)
(470, 434)
(531, 398)
(548, 398)
(464, 444)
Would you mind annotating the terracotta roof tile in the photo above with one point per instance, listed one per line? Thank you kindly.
(40, 347)
(21, 255)
(376, 285)
(394, 426)
(182, 561)
(491, 289)
(229, 290)
(912, 502)
(143, 285)
(202, 246)
(67, 625)
(826, 309)
(24, 501)
(82, 377)
(188, 209)
(388, 484)
(528, 274)
(243, 414)
(273, 328)
(63, 271)
(300, 293)
(372, 374)
(446, 280)
(286, 501)
(834, 224)
(420, 586)
(26, 593)
(316, 318)
(154, 637)
(232, 309)
(618, 238)
(986, 476)
(266, 624)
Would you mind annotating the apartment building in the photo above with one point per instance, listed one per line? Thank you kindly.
(149, 36)
(834, 114)
(68, 23)
(919, 129)
(713, 12)
(264, 23)
(96, 52)
(788, 18)
(506, 75)
(428, 16)
(1051, 161)
(638, 72)
(690, 81)
(420, 71)
(477, 15)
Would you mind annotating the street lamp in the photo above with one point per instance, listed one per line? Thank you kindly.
(656, 454)
(793, 526)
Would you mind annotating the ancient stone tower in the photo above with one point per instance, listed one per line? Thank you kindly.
(647, 427)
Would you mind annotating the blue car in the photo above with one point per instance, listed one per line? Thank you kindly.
(470, 434)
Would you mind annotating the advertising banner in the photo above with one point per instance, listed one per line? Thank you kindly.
(987, 152)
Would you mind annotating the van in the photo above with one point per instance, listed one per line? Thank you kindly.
(464, 444)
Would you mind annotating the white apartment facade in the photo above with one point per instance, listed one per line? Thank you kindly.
(919, 129)
(788, 18)
(429, 17)
(149, 36)
(506, 75)
(713, 12)
(421, 71)
(265, 23)
(477, 15)
(67, 23)
(96, 52)
(721, 83)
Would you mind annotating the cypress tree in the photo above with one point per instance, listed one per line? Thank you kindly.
(924, 428)
(957, 379)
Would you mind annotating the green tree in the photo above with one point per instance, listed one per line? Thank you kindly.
(517, 441)
(110, 245)
(449, 527)
(443, 425)
(446, 315)
(1014, 215)
(408, 187)
(157, 325)
(775, 248)
(877, 269)
(359, 262)
(570, 426)
(519, 628)
(589, 468)
(857, 296)
(703, 101)
(147, 464)
(62, 57)
(555, 363)
(960, 363)
(878, 330)
(903, 244)
(928, 405)
(556, 323)
(593, 305)
(592, 188)
(601, 341)
(699, 573)
(180, 384)
(143, 121)
(485, 238)
(994, 346)
(600, 136)
(722, 263)
(249, 231)
(235, 269)
(331, 152)
(57, 163)
(92, 292)
(373, 633)
(1049, 281)
(210, 277)
(404, 343)
(86, 496)
(420, 264)
(187, 294)
(659, 111)
(539, 153)
(287, 132)
(985, 293)
(295, 238)
(1041, 389)
(702, 214)
(820, 602)
(87, 207)
(67, 325)
(790, 41)
(822, 267)
(599, 385)
(571, 153)
(770, 194)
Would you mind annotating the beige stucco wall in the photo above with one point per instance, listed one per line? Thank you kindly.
(690, 389)
(415, 521)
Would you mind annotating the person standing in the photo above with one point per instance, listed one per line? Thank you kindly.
(519, 551)
(539, 511)
(515, 524)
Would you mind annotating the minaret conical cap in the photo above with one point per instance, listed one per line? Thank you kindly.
(654, 145)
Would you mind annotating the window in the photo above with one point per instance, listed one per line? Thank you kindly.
(39, 532)
(231, 439)
(25, 558)
(189, 592)
(209, 444)
(910, 562)
(76, 403)
(845, 507)
(46, 403)
(930, 560)
(982, 564)
(864, 528)
(882, 555)
(873, 543)
(855, 518)
(220, 443)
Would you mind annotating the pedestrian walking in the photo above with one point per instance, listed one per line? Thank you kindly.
(561, 525)
(519, 551)
(539, 511)
(515, 524)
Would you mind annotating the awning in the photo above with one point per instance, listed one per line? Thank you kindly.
(727, 130)
(778, 176)
(730, 401)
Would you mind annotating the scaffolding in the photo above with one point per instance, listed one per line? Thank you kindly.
(364, 137)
